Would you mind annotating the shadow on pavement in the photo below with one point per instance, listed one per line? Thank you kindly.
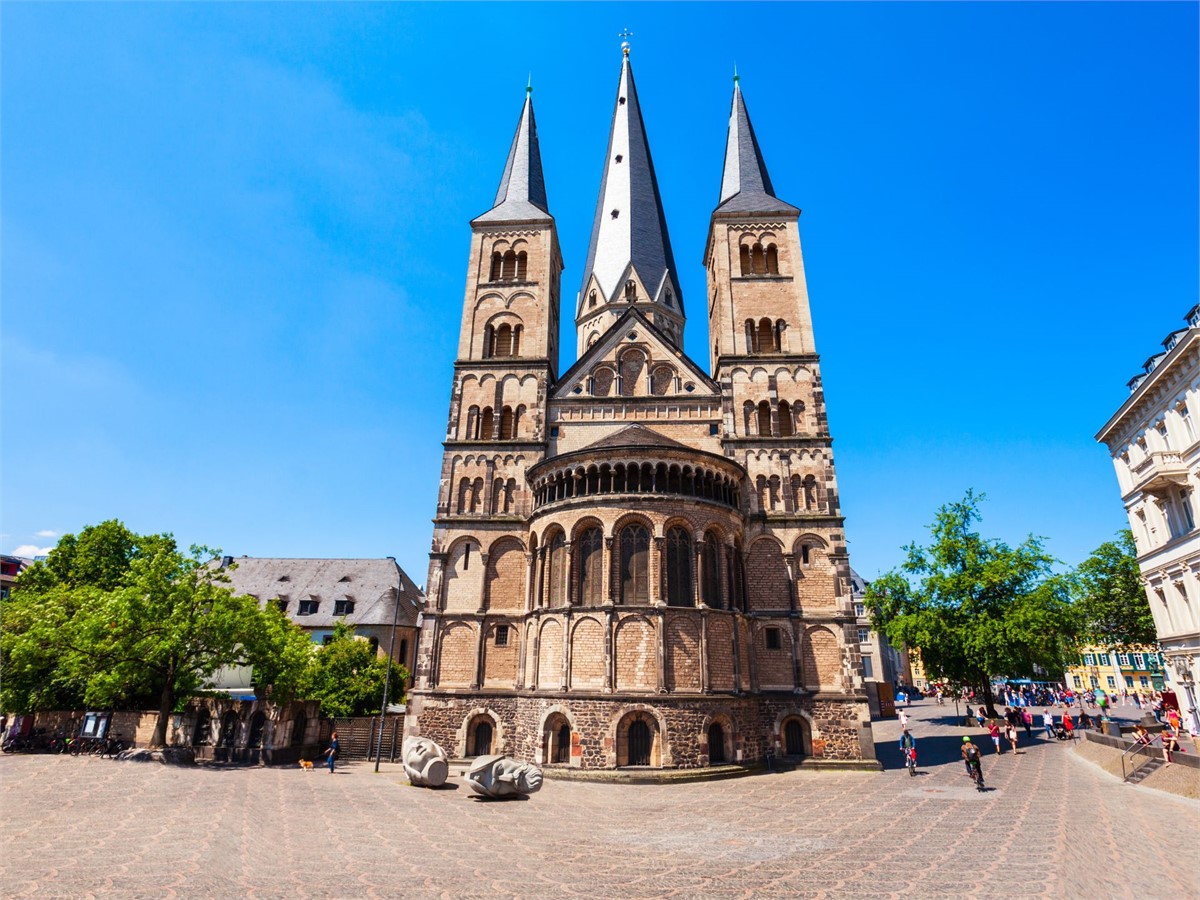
(940, 750)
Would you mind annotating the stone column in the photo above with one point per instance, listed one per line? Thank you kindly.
(656, 571)
(698, 573)
(705, 685)
(480, 640)
(530, 579)
(793, 571)
(609, 569)
(483, 582)
(661, 626)
(536, 682)
(566, 651)
(610, 655)
(488, 485)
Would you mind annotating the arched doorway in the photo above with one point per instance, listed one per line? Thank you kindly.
(258, 724)
(797, 739)
(479, 736)
(229, 723)
(639, 743)
(716, 745)
(557, 740)
(299, 726)
(201, 734)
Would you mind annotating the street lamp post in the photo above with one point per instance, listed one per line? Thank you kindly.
(387, 681)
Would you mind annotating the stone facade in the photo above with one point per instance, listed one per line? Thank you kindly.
(636, 562)
(1155, 447)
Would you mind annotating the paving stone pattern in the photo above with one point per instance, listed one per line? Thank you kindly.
(1051, 825)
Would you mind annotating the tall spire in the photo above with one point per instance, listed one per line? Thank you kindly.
(629, 233)
(745, 184)
(522, 191)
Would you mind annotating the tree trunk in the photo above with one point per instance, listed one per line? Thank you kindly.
(166, 703)
(987, 693)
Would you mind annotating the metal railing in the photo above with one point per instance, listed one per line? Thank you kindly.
(1131, 754)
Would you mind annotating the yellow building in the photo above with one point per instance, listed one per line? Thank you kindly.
(1097, 667)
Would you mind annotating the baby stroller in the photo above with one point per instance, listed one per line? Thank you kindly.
(1062, 734)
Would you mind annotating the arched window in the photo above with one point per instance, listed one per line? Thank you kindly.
(632, 364)
(516, 342)
(810, 492)
(751, 336)
(489, 341)
(640, 740)
(680, 591)
(477, 495)
(635, 564)
(602, 380)
(502, 344)
(786, 428)
(758, 264)
(737, 579)
(748, 414)
(772, 260)
(766, 336)
(523, 262)
(764, 418)
(487, 425)
(591, 577)
(630, 290)
(773, 487)
(506, 424)
(464, 495)
(497, 259)
(472, 423)
(508, 270)
(780, 328)
(744, 254)
(591, 299)
(562, 744)
(497, 495)
(556, 569)
(661, 379)
(710, 589)
(229, 724)
(518, 416)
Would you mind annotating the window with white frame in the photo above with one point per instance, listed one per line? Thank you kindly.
(1163, 435)
(1185, 416)
(1123, 660)
(868, 671)
(1104, 658)
(1089, 659)
(1139, 661)
(1078, 681)
(1128, 681)
(1185, 504)
(860, 609)
(1112, 682)
(864, 635)
(1144, 681)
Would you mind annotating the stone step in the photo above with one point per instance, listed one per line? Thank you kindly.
(1145, 770)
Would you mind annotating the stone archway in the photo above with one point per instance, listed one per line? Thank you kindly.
(639, 740)
(796, 736)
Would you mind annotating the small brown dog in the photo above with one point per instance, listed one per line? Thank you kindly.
(306, 765)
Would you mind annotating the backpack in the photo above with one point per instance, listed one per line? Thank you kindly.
(972, 753)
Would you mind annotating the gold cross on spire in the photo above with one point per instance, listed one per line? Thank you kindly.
(625, 35)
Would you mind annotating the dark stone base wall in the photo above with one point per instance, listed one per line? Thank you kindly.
(753, 725)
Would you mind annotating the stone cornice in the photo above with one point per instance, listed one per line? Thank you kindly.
(1158, 388)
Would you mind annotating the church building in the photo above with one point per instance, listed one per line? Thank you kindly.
(639, 562)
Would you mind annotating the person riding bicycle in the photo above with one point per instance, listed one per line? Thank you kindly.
(970, 755)
(908, 748)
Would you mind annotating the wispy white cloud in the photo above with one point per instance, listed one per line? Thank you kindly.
(46, 534)
(31, 550)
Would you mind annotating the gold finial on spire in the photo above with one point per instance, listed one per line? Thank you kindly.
(625, 35)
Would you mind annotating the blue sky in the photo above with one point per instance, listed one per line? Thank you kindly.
(235, 237)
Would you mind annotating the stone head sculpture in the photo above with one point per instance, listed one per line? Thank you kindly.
(425, 762)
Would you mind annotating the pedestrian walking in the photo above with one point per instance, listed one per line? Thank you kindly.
(904, 720)
(994, 731)
(1048, 722)
(332, 753)
(1068, 725)
(981, 716)
(1027, 721)
(1011, 734)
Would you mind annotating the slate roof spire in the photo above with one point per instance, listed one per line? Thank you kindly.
(629, 229)
(745, 184)
(522, 192)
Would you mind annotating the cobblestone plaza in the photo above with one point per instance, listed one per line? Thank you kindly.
(1051, 824)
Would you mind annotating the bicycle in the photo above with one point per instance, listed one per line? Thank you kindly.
(977, 776)
(111, 746)
(910, 760)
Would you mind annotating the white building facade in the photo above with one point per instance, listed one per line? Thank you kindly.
(1154, 440)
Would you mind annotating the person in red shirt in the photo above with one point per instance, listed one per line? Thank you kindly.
(994, 731)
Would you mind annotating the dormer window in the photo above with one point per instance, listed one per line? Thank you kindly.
(343, 607)
(283, 578)
(620, 158)
(615, 213)
(620, 101)
(308, 607)
(631, 290)
(591, 299)
(344, 578)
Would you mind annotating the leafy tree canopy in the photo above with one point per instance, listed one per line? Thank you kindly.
(973, 606)
(116, 619)
(1110, 601)
(348, 677)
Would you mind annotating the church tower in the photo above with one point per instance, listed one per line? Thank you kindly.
(765, 359)
(637, 564)
(629, 262)
(507, 356)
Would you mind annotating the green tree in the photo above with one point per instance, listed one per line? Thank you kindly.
(347, 676)
(1110, 601)
(154, 633)
(974, 606)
